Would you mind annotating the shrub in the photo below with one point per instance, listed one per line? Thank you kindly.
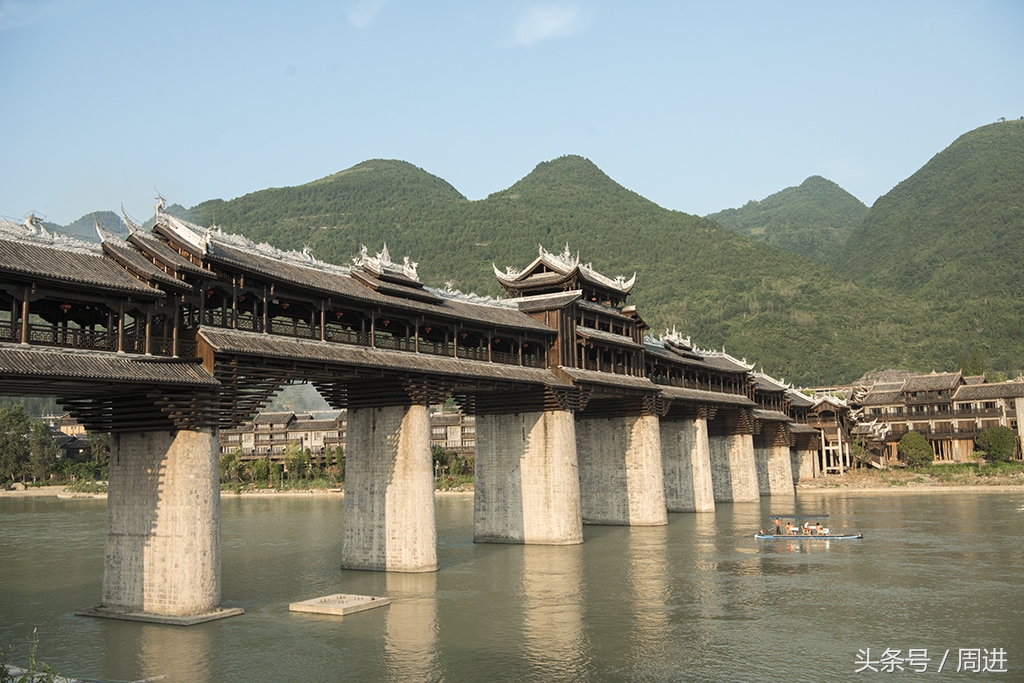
(914, 450)
(999, 443)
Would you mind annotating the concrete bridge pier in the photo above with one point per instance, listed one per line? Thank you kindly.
(686, 461)
(621, 475)
(527, 486)
(733, 467)
(388, 522)
(774, 466)
(162, 558)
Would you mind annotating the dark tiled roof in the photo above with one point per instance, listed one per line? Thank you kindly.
(882, 398)
(546, 302)
(980, 392)
(799, 399)
(799, 428)
(274, 417)
(974, 379)
(724, 362)
(309, 425)
(250, 343)
(694, 360)
(609, 379)
(933, 382)
(56, 265)
(16, 361)
(701, 396)
(336, 284)
(767, 384)
(607, 337)
(166, 255)
(771, 416)
(134, 260)
(883, 393)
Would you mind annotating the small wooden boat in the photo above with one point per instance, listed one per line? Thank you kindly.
(803, 535)
(807, 537)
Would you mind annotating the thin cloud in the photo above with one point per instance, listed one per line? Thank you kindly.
(14, 14)
(364, 12)
(543, 23)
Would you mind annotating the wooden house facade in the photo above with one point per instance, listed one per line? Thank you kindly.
(949, 409)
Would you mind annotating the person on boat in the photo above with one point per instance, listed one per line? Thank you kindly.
(789, 528)
(807, 528)
(818, 528)
(778, 524)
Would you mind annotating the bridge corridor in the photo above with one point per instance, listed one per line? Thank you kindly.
(582, 418)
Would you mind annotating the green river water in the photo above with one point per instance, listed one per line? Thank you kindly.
(697, 600)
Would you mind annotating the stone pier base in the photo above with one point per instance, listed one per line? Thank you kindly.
(733, 469)
(527, 480)
(686, 461)
(621, 476)
(162, 559)
(774, 467)
(805, 465)
(388, 522)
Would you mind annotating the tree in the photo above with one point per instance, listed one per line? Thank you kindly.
(915, 450)
(297, 461)
(43, 450)
(15, 427)
(999, 443)
(972, 364)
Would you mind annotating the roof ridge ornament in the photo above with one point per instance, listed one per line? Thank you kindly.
(673, 338)
(381, 263)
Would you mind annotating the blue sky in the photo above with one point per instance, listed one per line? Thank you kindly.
(696, 106)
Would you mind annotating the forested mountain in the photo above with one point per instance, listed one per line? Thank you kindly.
(813, 219)
(794, 316)
(953, 234)
(932, 271)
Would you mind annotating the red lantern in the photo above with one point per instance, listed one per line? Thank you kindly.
(386, 322)
(285, 305)
(338, 314)
(65, 307)
(427, 329)
(241, 297)
(463, 334)
(497, 341)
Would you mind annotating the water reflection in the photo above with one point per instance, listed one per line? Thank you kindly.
(698, 599)
(554, 642)
(410, 627)
(648, 576)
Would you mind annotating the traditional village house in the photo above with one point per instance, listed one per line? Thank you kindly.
(948, 409)
(453, 432)
(832, 418)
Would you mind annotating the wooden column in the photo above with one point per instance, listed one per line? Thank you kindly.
(149, 321)
(24, 317)
(234, 303)
(120, 326)
(174, 330)
(266, 312)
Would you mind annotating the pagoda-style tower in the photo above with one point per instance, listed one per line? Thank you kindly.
(596, 330)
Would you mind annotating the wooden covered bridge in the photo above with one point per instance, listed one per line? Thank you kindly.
(166, 336)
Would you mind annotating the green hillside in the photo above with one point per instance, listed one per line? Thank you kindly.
(955, 227)
(953, 233)
(813, 219)
(794, 316)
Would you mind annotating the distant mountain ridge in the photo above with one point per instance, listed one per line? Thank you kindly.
(718, 286)
(917, 295)
(812, 219)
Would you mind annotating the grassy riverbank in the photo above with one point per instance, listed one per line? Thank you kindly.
(935, 476)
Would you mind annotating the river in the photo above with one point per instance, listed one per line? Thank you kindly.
(697, 600)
